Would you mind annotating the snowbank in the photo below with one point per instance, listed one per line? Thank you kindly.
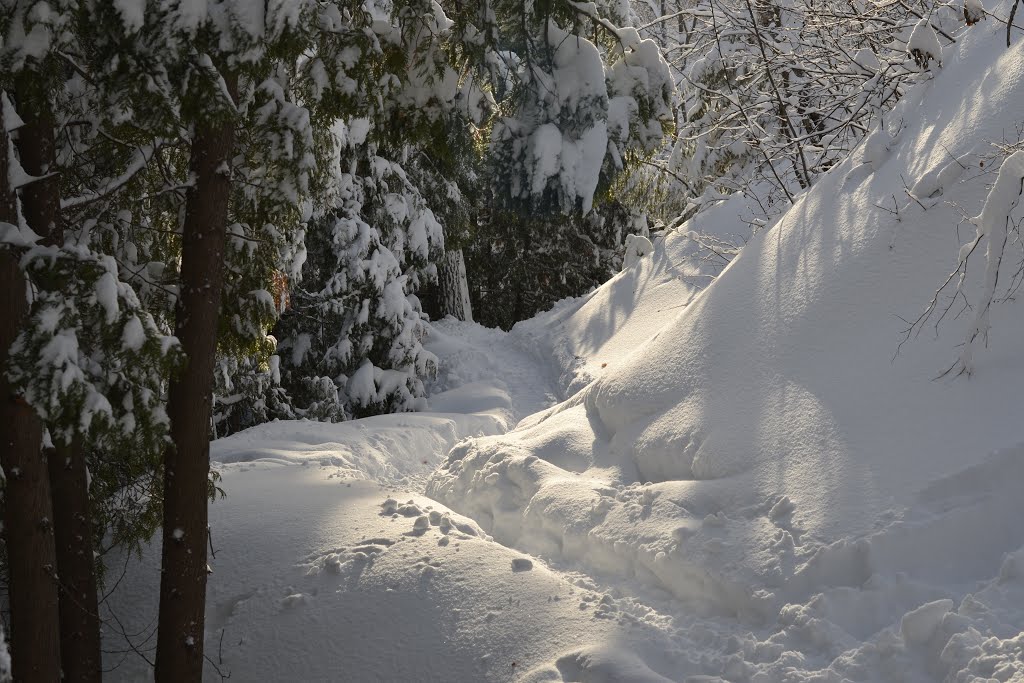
(587, 337)
(761, 453)
(387, 448)
(476, 393)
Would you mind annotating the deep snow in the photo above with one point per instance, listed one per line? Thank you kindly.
(762, 454)
(740, 483)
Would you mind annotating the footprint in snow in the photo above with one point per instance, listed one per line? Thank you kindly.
(521, 564)
(349, 563)
(392, 507)
(419, 527)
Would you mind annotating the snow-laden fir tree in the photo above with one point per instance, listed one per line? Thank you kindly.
(351, 339)
(184, 189)
(413, 171)
(89, 359)
(351, 342)
(580, 102)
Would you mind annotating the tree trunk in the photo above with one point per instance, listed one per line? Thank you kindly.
(179, 655)
(31, 555)
(76, 566)
(76, 569)
(453, 287)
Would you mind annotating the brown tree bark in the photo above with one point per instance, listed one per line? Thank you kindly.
(76, 566)
(179, 654)
(76, 569)
(40, 199)
(28, 512)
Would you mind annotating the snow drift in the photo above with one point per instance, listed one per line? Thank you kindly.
(764, 451)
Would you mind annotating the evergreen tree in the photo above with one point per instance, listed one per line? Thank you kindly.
(580, 102)
(187, 173)
(351, 342)
(134, 95)
(49, 557)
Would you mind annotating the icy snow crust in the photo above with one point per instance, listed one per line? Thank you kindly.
(740, 484)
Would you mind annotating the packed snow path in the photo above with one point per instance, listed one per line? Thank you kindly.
(471, 353)
(330, 564)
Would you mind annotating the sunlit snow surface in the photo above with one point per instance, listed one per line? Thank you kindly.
(740, 484)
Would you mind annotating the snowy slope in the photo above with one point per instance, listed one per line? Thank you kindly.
(761, 454)
(587, 337)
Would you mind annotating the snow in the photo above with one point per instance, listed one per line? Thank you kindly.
(876, 146)
(360, 385)
(329, 587)
(586, 337)
(133, 13)
(106, 295)
(134, 335)
(992, 224)
(12, 121)
(5, 658)
(924, 41)
(747, 479)
(918, 626)
(319, 566)
(547, 146)
(760, 452)
(637, 246)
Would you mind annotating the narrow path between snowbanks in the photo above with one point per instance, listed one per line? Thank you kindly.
(330, 565)
(471, 355)
(487, 381)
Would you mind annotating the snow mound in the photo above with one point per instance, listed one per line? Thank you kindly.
(586, 337)
(762, 450)
(472, 396)
(386, 448)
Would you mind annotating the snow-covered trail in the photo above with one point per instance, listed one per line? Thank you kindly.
(471, 353)
(326, 584)
(330, 564)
